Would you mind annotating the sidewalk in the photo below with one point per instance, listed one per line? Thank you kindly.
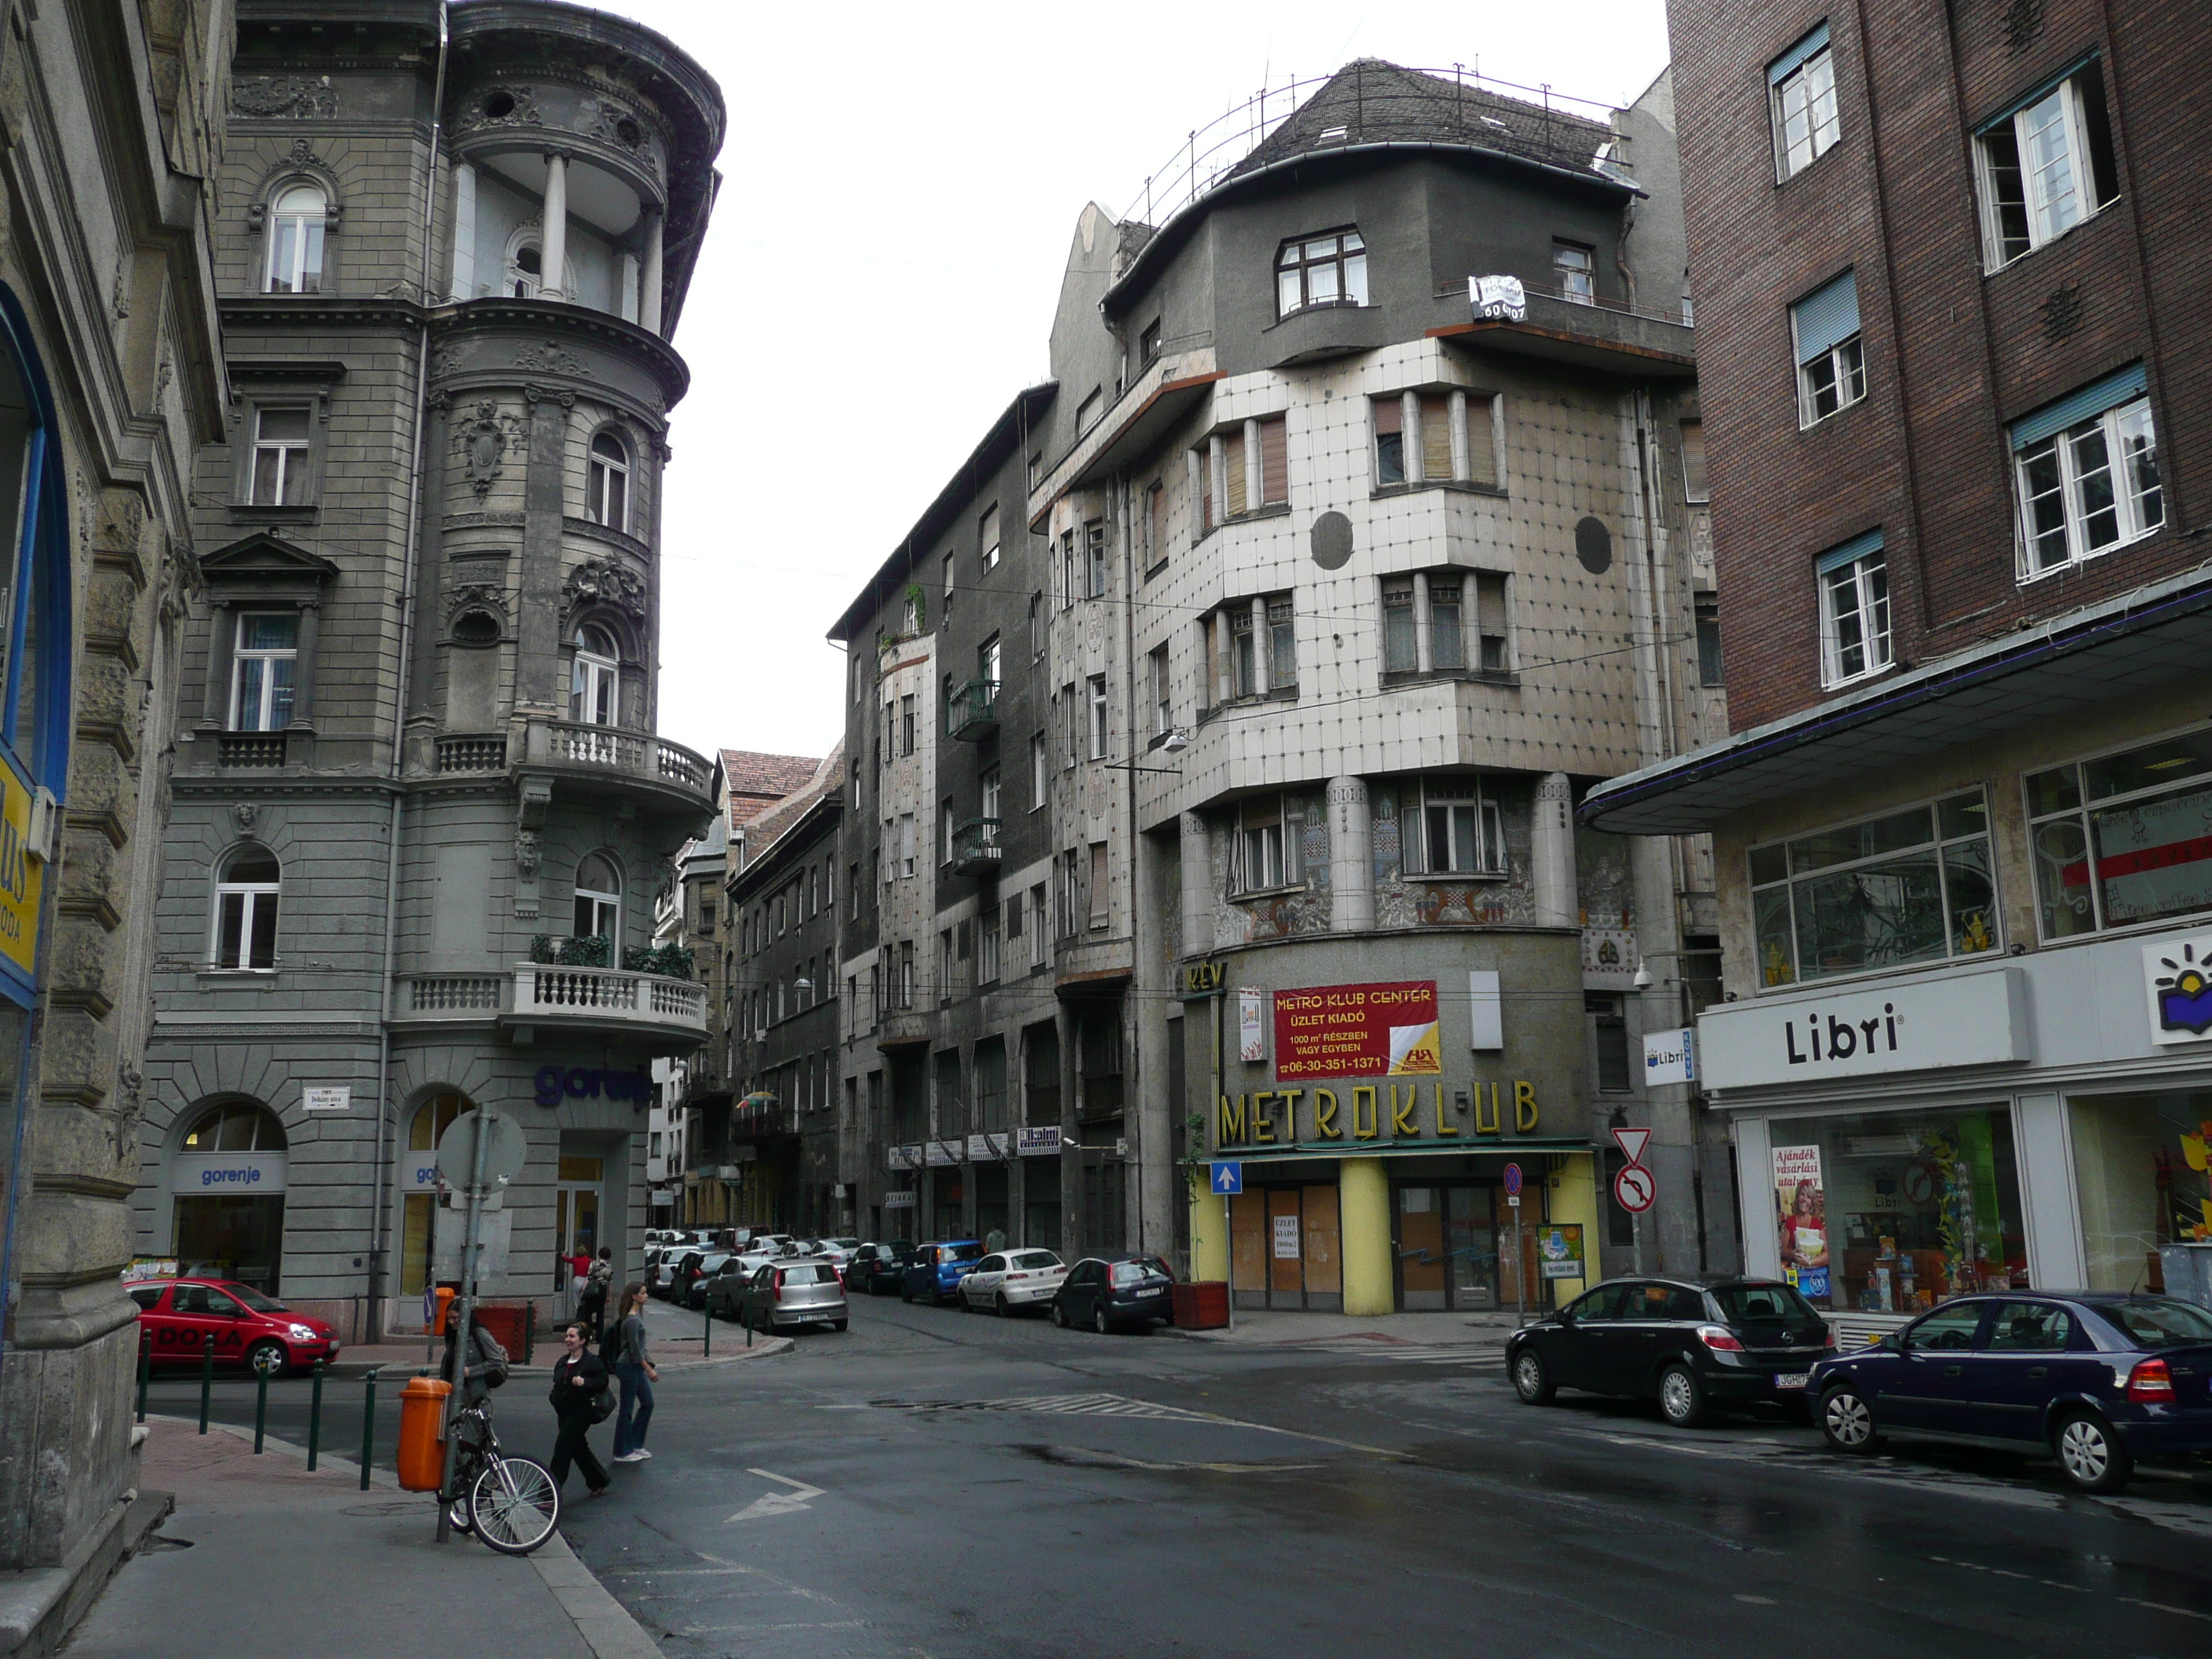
(676, 1336)
(323, 1566)
(1278, 1327)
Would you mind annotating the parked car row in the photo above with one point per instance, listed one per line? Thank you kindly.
(1118, 1290)
(2099, 1381)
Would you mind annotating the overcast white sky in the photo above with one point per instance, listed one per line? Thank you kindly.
(901, 184)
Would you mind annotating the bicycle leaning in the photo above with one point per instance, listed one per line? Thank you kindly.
(510, 1503)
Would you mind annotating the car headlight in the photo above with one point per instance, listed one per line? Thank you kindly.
(303, 1333)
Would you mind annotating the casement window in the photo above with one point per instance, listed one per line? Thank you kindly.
(1608, 1018)
(243, 933)
(910, 619)
(885, 737)
(1831, 363)
(1148, 344)
(606, 483)
(1801, 97)
(1492, 640)
(1274, 479)
(1461, 830)
(1328, 270)
(1854, 582)
(1011, 911)
(1709, 640)
(1070, 722)
(1088, 411)
(1156, 525)
(1038, 772)
(1067, 581)
(906, 974)
(989, 662)
(1094, 540)
(945, 830)
(1037, 628)
(947, 609)
(595, 678)
(281, 442)
(1244, 653)
(2119, 840)
(1100, 889)
(1910, 886)
(1389, 440)
(1037, 936)
(993, 795)
(1268, 851)
(1282, 644)
(2085, 469)
(1068, 878)
(1694, 487)
(906, 846)
(1401, 639)
(988, 951)
(1447, 436)
(1036, 468)
(1201, 485)
(1574, 273)
(2044, 166)
(1097, 705)
(598, 899)
(1162, 692)
(1447, 621)
(297, 219)
(906, 724)
(986, 539)
(263, 670)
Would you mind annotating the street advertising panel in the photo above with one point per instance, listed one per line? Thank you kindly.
(1039, 1139)
(1358, 1030)
(1801, 1203)
(1559, 1250)
(1251, 1025)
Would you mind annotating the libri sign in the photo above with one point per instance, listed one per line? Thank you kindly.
(1965, 1019)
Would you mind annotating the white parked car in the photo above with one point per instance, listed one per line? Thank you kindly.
(1008, 1281)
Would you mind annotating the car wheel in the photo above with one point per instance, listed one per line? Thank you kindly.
(2090, 1456)
(1681, 1401)
(838, 1324)
(1532, 1378)
(1098, 1319)
(906, 1295)
(1058, 1314)
(266, 1359)
(1847, 1422)
(1003, 1307)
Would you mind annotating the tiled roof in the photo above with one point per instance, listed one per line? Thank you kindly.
(775, 819)
(755, 780)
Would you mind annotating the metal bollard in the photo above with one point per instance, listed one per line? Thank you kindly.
(260, 1407)
(707, 1342)
(315, 1419)
(145, 1370)
(207, 1381)
(368, 1425)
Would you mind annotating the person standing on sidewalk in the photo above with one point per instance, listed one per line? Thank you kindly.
(591, 1305)
(579, 1379)
(638, 1376)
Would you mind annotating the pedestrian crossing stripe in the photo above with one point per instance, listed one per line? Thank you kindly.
(1059, 1405)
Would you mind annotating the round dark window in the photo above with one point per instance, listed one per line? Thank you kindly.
(475, 628)
(1594, 545)
(1332, 541)
(629, 132)
(499, 105)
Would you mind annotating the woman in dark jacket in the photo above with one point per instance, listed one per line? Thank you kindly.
(578, 1378)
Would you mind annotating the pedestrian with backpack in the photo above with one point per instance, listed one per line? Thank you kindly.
(580, 1398)
(637, 1375)
(592, 1304)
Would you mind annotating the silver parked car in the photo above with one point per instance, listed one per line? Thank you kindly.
(806, 1291)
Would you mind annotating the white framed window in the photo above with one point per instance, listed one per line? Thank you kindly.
(243, 933)
(1162, 692)
(1854, 582)
(1694, 487)
(1244, 652)
(1038, 771)
(281, 441)
(1389, 432)
(993, 796)
(1268, 845)
(945, 827)
(1574, 273)
(595, 679)
(988, 948)
(2116, 840)
(1097, 703)
(1087, 412)
(1101, 892)
(1831, 362)
(1037, 628)
(606, 483)
(1094, 537)
(906, 845)
(987, 537)
(1801, 86)
(948, 585)
(1037, 936)
(990, 662)
(2044, 165)
(263, 670)
(2086, 472)
(1401, 635)
(599, 898)
(1329, 269)
(296, 221)
(1462, 830)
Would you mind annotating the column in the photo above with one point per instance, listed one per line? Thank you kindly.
(553, 252)
(1262, 648)
(1256, 471)
(1197, 851)
(463, 283)
(1217, 470)
(1363, 1198)
(648, 296)
(626, 300)
(1552, 853)
(1461, 467)
(222, 639)
(1423, 658)
(303, 666)
(1409, 406)
(1225, 667)
(1351, 863)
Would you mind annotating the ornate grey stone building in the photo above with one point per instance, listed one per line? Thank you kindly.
(421, 810)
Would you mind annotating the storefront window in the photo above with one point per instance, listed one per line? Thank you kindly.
(2144, 812)
(2140, 1164)
(1914, 886)
(1895, 1212)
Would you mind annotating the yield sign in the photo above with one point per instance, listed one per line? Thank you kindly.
(776, 1503)
(1632, 1142)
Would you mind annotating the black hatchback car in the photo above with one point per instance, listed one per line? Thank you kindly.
(1690, 1344)
(875, 1269)
(1122, 1289)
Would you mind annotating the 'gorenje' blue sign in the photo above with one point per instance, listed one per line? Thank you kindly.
(578, 1083)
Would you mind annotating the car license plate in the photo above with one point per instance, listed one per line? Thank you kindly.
(1791, 1379)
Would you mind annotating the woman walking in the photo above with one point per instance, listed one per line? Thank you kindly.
(578, 1380)
(638, 1376)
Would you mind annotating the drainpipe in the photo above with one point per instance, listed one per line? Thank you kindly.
(378, 1220)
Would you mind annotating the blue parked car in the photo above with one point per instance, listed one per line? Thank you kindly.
(934, 1273)
(2099, 1380)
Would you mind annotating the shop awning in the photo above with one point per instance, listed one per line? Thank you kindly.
(2152, 639)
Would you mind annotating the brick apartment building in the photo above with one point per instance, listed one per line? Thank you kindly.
(1948, 264)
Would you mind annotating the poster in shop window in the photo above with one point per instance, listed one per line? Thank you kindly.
(1287, 1239)
(1801, 1210)
(1358, 1030)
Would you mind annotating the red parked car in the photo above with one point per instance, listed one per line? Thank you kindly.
(249, 1329)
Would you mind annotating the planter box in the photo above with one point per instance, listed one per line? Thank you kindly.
(1201, 1305)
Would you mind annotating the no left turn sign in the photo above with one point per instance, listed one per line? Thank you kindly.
(1633, 1189)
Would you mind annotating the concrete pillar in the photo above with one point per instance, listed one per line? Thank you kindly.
(626, 299)
(303, 669)
(553, 251)
(1552, 853)
(648, 298)
(1225, 664)
(1424, 657)
(1197, 847)
(1363, 1199)
(222, 641)
(462, 285)
(1218, 464)
(1409, 420)
(1460, 468)
(1255, 488)
(1262, 648)
(1351, 863)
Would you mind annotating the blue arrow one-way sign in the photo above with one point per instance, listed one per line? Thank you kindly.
(1229, 1178)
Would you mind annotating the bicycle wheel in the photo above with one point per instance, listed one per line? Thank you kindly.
(515, 1504)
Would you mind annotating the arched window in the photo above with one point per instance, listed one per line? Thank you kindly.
(246, 909)
(418, 1211)
(599, 898)
(525, 271)
(432, 1118)
(239, 1127)
(596, 678)
(296, 218)
(606, 484)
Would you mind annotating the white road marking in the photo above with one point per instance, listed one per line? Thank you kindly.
(776, 1503)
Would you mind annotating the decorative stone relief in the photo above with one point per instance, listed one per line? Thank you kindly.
(296, 97)
(480, 438)
(503, 106)
(528, 846)
(611, 122)
(605, 581)
(466, 595)
(550, 359)
(246, 812)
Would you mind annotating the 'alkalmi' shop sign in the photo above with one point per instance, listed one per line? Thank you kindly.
(1971, 1019)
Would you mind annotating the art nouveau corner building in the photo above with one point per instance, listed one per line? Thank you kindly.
(421, 810)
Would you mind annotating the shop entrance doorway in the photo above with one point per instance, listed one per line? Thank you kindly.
(228, 1179)
(576, 1198)
(1288, 1247)
(1444, 1239)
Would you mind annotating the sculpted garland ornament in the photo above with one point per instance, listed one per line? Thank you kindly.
(270, 97)
(603, 581)
(481, 438)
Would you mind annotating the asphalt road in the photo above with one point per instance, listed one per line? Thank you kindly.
(941, 1484)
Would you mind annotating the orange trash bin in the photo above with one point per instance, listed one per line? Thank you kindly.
(421, 1433)
(446, 1294)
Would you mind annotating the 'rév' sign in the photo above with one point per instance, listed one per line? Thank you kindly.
(1968, 1019)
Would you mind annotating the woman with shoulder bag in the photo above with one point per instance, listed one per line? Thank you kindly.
(637, 1375)
(580, 1399)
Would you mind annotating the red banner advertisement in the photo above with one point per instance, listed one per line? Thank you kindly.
(1358, 1030)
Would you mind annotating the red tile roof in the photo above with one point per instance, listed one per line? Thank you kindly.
(756, 781)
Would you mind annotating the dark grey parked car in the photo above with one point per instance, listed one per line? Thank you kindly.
(781, 1293)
